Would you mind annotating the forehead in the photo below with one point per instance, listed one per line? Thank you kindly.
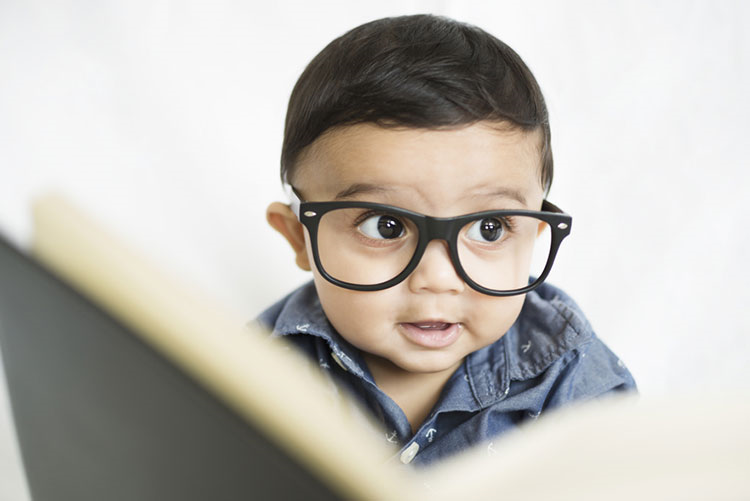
(431, 171)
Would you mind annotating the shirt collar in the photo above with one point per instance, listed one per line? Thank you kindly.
(549, 325)
(303, 314)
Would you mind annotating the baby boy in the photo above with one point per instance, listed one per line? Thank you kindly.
(417, 156)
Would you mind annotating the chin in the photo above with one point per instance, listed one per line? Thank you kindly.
(430, 364)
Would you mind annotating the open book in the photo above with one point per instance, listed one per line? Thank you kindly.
(125, 384)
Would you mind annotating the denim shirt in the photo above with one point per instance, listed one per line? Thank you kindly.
(549, 357)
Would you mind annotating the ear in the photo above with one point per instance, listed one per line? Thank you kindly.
(283, 220)
(540, 229)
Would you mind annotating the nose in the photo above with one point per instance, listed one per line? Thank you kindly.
(435, 272)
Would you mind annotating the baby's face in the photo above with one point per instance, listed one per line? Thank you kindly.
(433, 319)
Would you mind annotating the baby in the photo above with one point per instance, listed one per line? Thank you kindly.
(417, 157)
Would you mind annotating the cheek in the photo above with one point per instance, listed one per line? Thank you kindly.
(492, 316)
(354, 314)
(308, 248)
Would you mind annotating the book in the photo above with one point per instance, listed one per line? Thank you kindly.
(127, 384)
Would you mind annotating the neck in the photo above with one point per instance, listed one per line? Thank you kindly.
(416, 393)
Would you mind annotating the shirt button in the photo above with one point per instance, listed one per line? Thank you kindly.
(409, 453)
(338, 361)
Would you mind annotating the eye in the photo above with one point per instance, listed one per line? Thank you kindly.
(486, 230)
(382, 227)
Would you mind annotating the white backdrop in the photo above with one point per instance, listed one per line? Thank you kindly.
(165, 119)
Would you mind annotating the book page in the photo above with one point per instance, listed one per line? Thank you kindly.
(252, 374)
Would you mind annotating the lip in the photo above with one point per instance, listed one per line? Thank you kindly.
(431, 337)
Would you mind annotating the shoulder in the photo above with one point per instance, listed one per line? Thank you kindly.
(299, 319)
(293, 311)
(552, 341)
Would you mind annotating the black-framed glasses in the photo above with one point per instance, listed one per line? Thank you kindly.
(368, 246)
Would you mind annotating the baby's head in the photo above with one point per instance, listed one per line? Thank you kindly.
(420, 72)
(398, 127)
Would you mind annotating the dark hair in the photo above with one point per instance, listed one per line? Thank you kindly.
(419, 71)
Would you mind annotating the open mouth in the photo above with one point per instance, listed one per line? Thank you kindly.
(439, 326)
(431, 333)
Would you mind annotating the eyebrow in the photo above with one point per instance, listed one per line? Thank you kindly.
(367, 188)
(360, 188)
(503, 193)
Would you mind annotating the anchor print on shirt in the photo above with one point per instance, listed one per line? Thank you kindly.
(526, 347)
(430, 434)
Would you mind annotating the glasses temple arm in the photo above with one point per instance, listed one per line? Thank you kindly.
(548, 206)
(294, 200)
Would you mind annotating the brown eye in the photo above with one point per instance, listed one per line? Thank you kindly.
(382, 227)
(486, 230)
